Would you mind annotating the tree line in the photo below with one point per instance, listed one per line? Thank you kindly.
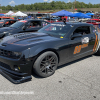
(54, 5)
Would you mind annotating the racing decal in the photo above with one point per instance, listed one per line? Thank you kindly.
(94, 31)
(96, 43)
(85, 40)
(78, 48)
(49, 28)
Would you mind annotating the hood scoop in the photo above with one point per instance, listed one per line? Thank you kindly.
(20, 37)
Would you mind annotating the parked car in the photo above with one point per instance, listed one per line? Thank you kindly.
(94, 21)
(83, 20)
(4, 17)
(42, 52)
(29, 25)
(7, 22)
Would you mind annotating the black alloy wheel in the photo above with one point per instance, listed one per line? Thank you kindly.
(46, 64)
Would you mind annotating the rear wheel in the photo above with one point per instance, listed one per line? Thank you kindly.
(46, 64)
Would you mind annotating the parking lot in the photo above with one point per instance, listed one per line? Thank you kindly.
(79, 80)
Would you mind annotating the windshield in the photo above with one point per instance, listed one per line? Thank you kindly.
(17, 24)
(56, 29)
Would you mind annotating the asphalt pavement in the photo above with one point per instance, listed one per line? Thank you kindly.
(78, 80)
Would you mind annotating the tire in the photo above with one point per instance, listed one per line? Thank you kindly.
(46, 64)
(98, 52)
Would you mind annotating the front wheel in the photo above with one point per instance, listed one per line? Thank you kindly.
(46, 64)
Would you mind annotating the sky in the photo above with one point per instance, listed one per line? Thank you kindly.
(18, 2)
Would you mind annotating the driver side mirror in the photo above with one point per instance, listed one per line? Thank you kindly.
(76, 36)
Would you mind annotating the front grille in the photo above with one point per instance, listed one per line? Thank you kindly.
(5, 65)
(5, 53)
(8, 54)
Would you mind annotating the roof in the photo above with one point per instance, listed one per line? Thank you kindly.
(10, 19)
(74, 23)
(33, 19)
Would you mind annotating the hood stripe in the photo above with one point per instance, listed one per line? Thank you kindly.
(25, 38)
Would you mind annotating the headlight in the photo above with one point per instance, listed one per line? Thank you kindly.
(5, 32)
(10, 54)
(16, 54)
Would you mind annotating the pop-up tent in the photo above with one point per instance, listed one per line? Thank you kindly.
(62, 13)
(9, 13)
(1, 14)
(19, 13)
(89, 14)
(79, 15)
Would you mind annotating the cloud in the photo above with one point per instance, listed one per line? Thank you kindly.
(45, 0)
(12, 2)
(50, 0)
(68, 1)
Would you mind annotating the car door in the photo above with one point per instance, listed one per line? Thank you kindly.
(81, 42)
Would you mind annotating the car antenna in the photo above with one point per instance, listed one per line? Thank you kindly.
(64, 20)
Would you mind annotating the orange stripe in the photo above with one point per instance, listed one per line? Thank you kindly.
(95, 43)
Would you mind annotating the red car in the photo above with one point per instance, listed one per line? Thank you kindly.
(94, 21)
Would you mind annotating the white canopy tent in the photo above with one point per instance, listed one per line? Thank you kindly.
(19, 13)
(9, 13)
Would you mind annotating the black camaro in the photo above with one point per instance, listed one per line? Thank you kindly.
(30, 25)
(7, 22)
(41, 52)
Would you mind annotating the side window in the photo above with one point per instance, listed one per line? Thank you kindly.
(44, 24)
(94, 29)
(82, 30)
(29, 25)
(12, 22)
(7, 23)
(35, 24)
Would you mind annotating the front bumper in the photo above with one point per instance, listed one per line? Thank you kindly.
(7, 69)
(14, 77)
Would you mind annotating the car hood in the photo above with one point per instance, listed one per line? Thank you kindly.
(25, 40)
(5, 29)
